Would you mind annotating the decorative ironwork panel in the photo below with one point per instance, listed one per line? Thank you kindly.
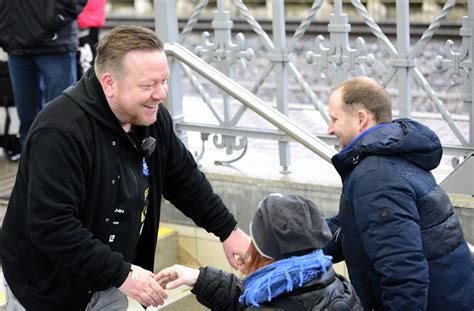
(294, 72)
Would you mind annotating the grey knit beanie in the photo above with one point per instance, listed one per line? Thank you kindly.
(288, 225)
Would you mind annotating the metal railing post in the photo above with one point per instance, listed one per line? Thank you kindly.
(166, 26)
(470, 108)
(278, 119)
(280, 58)
(402, 61)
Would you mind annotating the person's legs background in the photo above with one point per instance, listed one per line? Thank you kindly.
(86, 51)
(37, 79)
(27, 92)
(58, 72)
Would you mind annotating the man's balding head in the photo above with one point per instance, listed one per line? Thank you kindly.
(368, 93)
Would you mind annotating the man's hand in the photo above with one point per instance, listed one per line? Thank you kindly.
(237, 244)
(141, 286)
(177, 275)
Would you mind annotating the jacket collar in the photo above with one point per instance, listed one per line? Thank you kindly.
(404, 138)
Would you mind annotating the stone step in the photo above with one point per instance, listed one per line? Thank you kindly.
(3, 210)
(2, 292)
(182, 300)
(167, 249)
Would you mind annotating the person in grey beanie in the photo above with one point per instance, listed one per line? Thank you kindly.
(285, 266)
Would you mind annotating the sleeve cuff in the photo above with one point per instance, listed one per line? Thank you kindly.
(225, 232)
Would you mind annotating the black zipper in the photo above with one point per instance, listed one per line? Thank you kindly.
(135, 208)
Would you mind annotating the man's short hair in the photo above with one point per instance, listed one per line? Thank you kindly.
(116, 43)
(368, 93)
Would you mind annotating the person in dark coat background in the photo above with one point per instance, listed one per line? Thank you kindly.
(285, 266)
(41, 39)
(81, 226)
(396, 228)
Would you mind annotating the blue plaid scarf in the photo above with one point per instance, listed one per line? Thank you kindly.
(283, 276)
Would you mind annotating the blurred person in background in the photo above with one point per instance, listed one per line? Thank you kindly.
(9, 139)
(89, 21)
(41, 39)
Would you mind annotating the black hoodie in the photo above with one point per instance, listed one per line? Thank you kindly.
(55, 237)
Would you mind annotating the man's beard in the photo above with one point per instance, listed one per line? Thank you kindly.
(136, 120)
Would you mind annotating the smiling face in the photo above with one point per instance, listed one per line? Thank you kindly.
(135, 91)
(356, 105)
(344, 123)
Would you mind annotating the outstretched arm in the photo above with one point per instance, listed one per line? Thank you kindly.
(176, 276)
(188, 189)
(214, 288)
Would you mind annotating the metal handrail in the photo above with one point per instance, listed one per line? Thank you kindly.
(251, 101)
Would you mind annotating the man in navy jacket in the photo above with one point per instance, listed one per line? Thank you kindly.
(396, 228)
(81, 225)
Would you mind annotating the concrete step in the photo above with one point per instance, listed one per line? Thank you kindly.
(2, 292)
(3, 210)
(167, 249)
(181, 301)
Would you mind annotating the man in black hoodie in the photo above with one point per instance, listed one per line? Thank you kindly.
(83, 217)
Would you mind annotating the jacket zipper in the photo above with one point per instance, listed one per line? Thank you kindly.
(135, 209)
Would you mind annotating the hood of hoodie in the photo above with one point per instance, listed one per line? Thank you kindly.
(88, 95)
(403, 138)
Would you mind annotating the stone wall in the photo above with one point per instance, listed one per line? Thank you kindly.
(242, 195)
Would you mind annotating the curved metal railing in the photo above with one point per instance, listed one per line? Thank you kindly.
(249, 100)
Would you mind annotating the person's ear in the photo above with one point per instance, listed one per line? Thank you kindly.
(363, 118)
(108, 84)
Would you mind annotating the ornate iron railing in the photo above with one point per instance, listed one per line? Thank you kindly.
(331, 60)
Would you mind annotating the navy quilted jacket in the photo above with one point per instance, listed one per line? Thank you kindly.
(396, 228)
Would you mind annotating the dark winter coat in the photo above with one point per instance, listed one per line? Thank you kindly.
(220, 291)
(39, 26)
(75, 165)
(396, 228)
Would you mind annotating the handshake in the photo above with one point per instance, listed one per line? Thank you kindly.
(150, 289)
